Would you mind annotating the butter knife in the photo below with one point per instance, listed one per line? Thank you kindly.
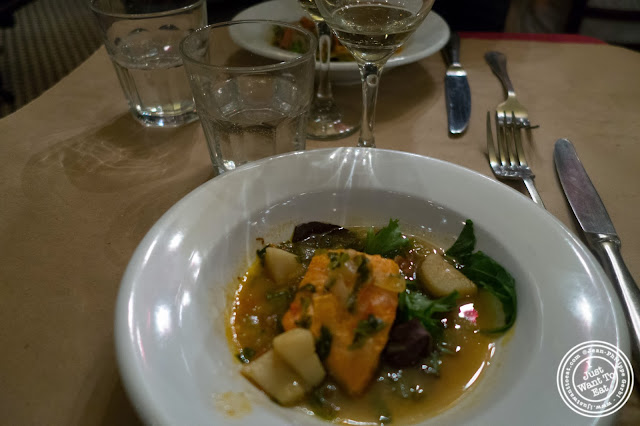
(600, 234)
(456, 87)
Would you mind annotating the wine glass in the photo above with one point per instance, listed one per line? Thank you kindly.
(325, 118)
(372, 30)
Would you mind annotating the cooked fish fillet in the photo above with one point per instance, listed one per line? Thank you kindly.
(344, 290)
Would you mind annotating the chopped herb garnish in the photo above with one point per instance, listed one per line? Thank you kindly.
(323, 344)
(365, 329)
(413, 304)
(432, 364)
(261, 252)
(387, 242)
(336, 260)
(245, 355)
(362, 277)
(362, 272)
(486, 273)
(303, 322)
(321, 405)
(271, 295)
(308, 287)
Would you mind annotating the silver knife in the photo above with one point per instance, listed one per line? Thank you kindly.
(456, 88)
(600, 234)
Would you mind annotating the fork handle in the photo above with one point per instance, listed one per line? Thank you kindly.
(498, 63)
(531, 187)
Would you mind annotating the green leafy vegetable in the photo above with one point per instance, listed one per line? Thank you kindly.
(245, 355)
(323, 344)
(486, 273)
(413, 304)
(387, 242)
(491, 276)
(297, 47)
(464, 244)
(365, 329)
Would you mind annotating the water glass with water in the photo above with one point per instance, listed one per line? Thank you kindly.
(252, 95)
(142, 38)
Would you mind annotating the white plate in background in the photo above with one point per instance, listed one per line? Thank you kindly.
(428, 39)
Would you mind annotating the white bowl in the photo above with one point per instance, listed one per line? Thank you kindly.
(170, 317)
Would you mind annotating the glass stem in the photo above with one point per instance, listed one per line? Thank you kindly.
(324, 48)
(370, 81)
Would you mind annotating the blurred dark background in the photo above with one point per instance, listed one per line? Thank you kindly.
(41, 41)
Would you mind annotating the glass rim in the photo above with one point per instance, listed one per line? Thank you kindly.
(251, 69)
(97, 10)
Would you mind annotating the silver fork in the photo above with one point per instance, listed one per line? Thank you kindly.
(510, 163)
(511, 107)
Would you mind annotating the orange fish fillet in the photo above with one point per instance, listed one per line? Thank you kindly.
(338, 291)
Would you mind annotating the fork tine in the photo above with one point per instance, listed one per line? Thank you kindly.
(511, 139)
(503, 152)
(493, 160)
(519, 149)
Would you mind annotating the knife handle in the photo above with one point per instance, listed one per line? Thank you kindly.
(452, 49)
(498, 63)
(608, 250)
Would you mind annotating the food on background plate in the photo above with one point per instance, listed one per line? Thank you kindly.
(285, 38)
(364, 325)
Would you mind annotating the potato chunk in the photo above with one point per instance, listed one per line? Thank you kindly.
(281, 265)
(440, 278)
(274, 376)
(297, 348)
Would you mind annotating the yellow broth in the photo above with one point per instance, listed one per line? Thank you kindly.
(395, 395)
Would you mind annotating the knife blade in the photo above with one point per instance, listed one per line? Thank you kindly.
(600, 234)
(456, 87)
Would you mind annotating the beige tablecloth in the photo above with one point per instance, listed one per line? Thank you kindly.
(81, 183)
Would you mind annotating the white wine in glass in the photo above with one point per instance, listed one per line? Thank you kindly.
(325, 118)
(372, 30)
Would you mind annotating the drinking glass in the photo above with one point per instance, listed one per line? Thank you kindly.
(142, 39)
(252, 97)
(372, 30)
(325, 118)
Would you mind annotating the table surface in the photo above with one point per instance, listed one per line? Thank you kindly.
(82, 182)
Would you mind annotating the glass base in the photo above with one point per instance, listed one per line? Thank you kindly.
(325, 122)
(165, 120)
